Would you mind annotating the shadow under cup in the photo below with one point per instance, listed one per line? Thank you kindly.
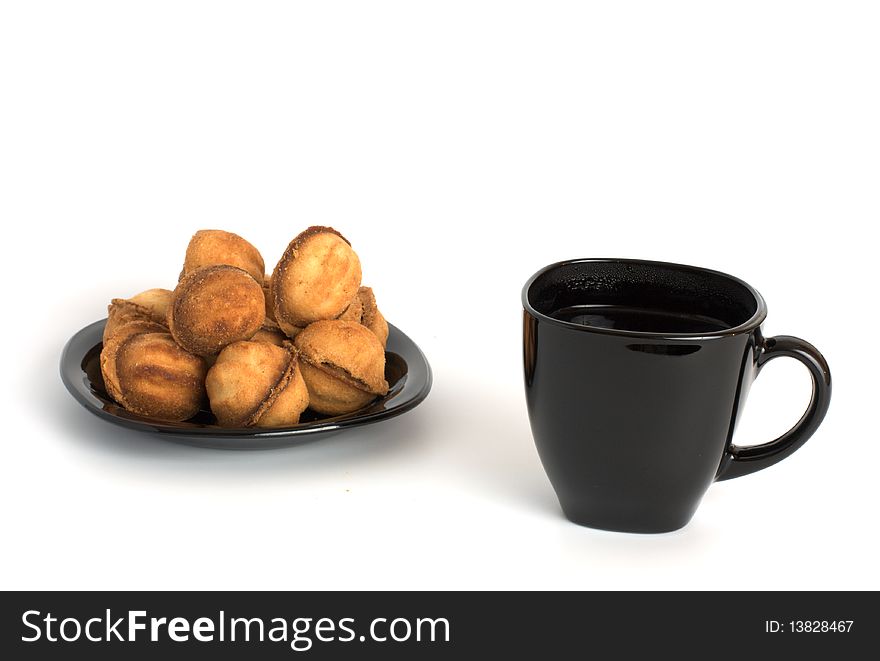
(636, 373)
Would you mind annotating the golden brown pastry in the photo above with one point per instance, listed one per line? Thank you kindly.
(289, 330)
(120, 333)
(256, 384)
(122, 311)
(370, 315)
(215, 306)
(364, 311)
(343, 365)
(316, 279)
(149, 374)
(212, 247)
(354, 311)
(150, 305)
(156, 301)
(228, 323)
(269, 332)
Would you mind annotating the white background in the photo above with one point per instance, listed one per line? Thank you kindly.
(460, 146)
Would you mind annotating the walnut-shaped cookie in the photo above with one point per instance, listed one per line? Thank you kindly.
(316, 279)
(149, 374)
(269, 332)
(343, 365)
(363, 310)
(370, 315)
(122, 311)
(212, 247)
(354, 311)
(215, 306)
(156, 301)
(257, 384)
(150, 305)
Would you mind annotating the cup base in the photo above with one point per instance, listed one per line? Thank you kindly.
(640, 522)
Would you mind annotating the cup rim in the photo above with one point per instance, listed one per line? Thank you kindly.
(746, 327)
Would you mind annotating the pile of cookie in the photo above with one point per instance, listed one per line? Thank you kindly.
(257, 349)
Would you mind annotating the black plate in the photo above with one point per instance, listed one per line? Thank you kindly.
(406, 370)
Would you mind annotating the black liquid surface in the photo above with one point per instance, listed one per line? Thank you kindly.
(643, 320)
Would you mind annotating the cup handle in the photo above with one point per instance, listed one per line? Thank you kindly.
(738, 461)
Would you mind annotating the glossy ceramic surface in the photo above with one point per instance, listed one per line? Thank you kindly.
(406, 370)
(633, 427)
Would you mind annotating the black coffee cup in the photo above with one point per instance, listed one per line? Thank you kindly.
(636, 373)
